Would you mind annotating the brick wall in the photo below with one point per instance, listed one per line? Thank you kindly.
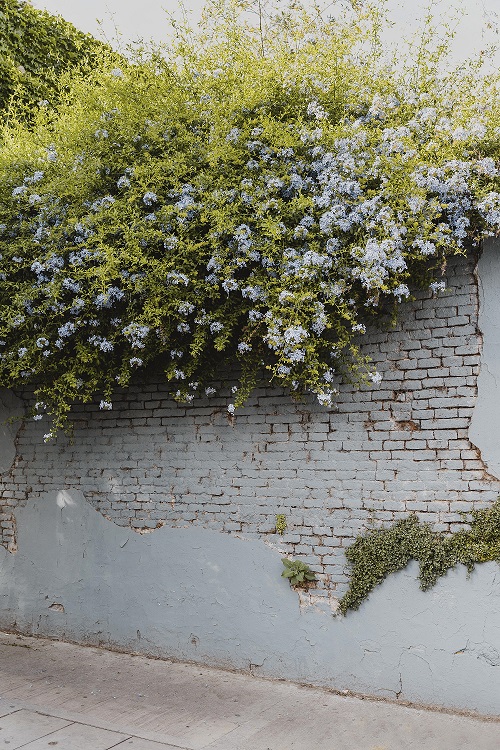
(397, 447)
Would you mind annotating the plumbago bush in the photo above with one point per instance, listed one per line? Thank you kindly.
(253, 197)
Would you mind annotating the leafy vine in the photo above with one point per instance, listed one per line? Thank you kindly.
(378, 553)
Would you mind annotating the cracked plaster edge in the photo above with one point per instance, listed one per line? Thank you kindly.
(488, 473)
(10, 543)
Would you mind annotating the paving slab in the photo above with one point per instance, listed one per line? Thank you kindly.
(21, 727)
(135, 743)
(159, 705)
(78, 737)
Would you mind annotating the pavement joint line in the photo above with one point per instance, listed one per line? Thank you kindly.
(271, 707)
(42, 736)
(47, 641)
(76, 718)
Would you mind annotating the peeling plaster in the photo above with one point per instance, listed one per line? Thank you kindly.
(79, 577)
(484, 431)
(195, 594)
(151, 462)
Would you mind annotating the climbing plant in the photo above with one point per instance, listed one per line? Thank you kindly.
(257, 195)
(380, 552)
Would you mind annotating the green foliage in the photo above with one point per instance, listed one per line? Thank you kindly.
(297, 572)
(379, 553)
(35, 49)
(280, 523)
(256, 198)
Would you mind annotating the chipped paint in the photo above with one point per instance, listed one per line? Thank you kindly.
(197, 595)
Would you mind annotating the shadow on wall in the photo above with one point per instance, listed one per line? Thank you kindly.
(196, 594)
(11, 408)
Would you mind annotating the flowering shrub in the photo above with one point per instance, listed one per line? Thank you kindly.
(245, 199)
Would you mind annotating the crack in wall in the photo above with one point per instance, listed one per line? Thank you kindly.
(482, 651)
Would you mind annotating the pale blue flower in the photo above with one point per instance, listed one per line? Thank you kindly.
(71, 285)
(229, 285)
(149, 198)
(101, 343)
(135, 333)
(174, 277)
(233, 135)
(437, 286)
(66, 330)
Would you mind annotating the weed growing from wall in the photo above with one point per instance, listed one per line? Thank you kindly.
(281, 524)
(298, 573)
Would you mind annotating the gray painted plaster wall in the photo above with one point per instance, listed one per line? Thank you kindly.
(484, 431)
(213, 598)
(201, 580)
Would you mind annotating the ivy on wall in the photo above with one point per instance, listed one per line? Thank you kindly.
(252, 196)
(378, 553)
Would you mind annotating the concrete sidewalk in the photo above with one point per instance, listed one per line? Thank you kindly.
(56, 695)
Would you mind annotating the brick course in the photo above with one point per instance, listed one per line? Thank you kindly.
(398, 447)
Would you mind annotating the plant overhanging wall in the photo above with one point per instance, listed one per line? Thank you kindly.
(251, 194)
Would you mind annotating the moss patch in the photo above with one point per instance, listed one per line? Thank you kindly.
(376, 554)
